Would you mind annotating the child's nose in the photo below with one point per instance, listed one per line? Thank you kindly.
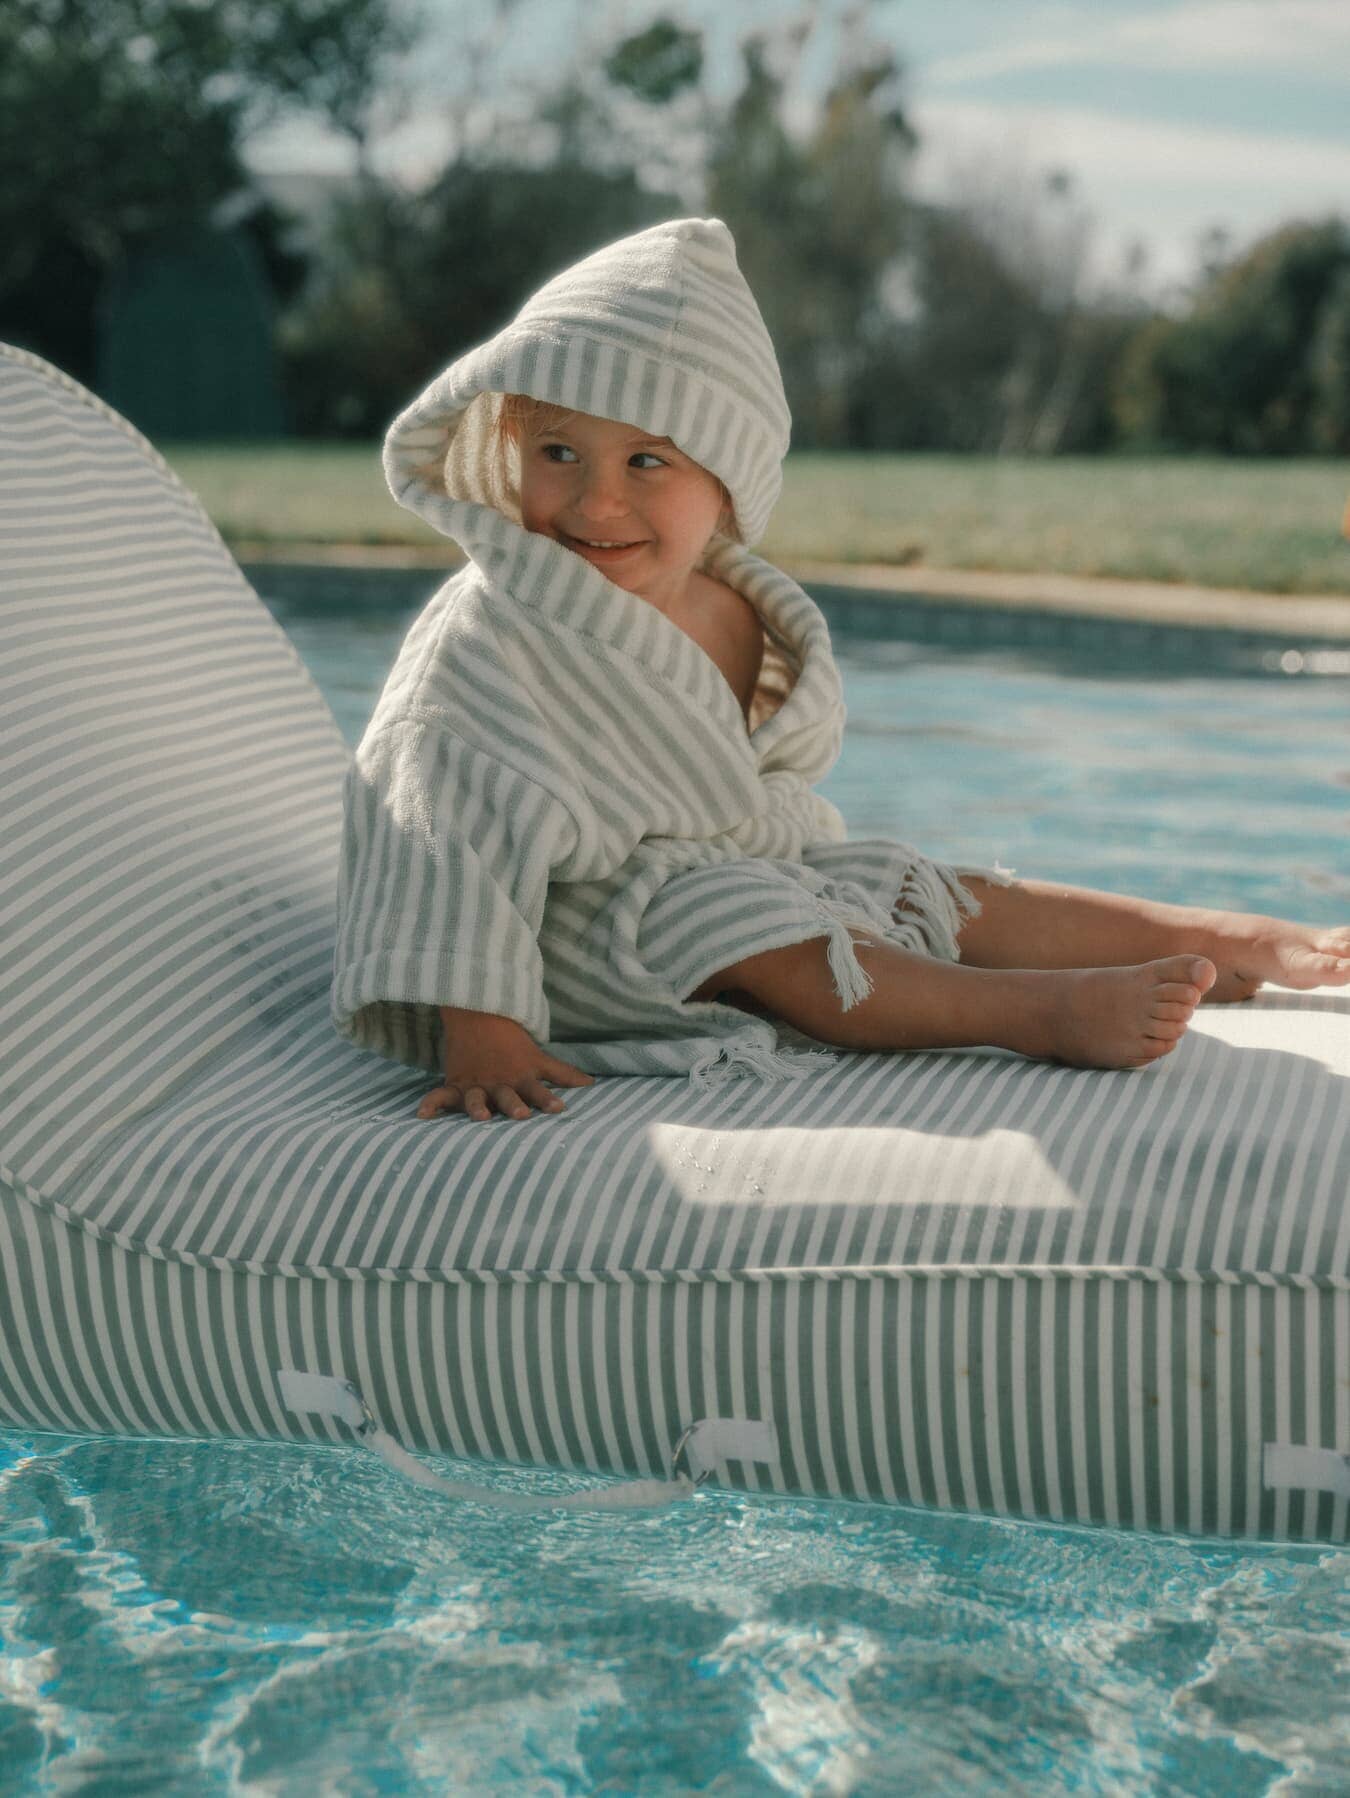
(601, 494)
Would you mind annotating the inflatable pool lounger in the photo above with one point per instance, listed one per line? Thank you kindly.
(958, 1280)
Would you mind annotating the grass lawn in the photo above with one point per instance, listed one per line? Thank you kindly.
(1268, 525)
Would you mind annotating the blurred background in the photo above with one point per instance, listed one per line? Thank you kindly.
(987, 237)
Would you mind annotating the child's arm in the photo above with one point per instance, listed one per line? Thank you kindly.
(489, 1059)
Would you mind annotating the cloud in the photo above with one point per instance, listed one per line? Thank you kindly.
(1309, 35)
(1142, 178)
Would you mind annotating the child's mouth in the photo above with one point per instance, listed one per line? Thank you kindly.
(606, 548)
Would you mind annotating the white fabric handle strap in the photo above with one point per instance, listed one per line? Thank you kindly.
(695, 1458)
(1294, 1466)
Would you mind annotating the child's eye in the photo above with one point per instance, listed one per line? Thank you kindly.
(649, 456)
(562, 449)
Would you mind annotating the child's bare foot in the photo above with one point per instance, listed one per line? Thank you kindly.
(1118, 1017)
(1248, 950)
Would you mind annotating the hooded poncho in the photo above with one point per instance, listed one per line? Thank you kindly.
(558, 812)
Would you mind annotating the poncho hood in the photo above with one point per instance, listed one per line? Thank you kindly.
(658, 331)
(559, 812)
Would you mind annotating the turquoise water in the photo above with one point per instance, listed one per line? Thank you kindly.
(1197, 773)
(194, 1619)
(236, 1618)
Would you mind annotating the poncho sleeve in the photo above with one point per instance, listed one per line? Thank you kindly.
(446, 860)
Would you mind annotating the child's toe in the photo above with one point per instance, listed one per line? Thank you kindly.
(1195, 971)
(1166, 1030)
(1203, 973)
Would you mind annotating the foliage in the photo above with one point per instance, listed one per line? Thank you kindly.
(818, 221)
(939, 382)
(899, 324)
(658, 63)
(1261, 364)
(122, 121)
(1329, 371)
(993, 348)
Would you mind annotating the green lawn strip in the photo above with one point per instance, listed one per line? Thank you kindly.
(297, 493)
(1271, 526)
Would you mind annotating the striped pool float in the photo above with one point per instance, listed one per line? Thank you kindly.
(957, 1280)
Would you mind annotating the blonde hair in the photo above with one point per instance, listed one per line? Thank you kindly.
(519, 412)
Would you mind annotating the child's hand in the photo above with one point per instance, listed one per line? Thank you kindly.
(493, 1061)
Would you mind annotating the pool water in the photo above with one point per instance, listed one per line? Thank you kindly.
(1180, 765)
(232, 1617)
(213, 1618)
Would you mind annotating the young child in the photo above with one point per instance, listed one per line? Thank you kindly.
(582, 836)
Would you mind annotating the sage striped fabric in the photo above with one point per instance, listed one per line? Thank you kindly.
(950, 1279)
(1093, 1396)
(557, 813)
(172, 791)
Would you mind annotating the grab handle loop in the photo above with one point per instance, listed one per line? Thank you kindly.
(1298, 1466)
(683, 1452)
(701, 1448)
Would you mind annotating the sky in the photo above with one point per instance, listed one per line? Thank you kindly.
(1173, 117)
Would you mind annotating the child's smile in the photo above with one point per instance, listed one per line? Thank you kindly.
(630, 504)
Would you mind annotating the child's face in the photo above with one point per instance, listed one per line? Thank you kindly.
(591, 482)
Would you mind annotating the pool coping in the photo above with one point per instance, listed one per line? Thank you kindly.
(1299, 616)
(1143, 602)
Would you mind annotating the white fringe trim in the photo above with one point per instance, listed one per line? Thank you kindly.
(844, 908)
(742, 1056)
(852, 982)
(930, 908)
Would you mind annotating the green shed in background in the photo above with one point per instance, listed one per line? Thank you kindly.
(186, 346)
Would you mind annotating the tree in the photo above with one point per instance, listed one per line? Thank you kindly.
(818, 220)
(1259, 364)
(1329, 366)
(658, 63)
(122, 121)
(941, 379)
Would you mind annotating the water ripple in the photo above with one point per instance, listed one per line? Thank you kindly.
(227, 1617)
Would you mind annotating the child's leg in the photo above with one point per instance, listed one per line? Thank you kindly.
(1090, 1017)
(1045, 924)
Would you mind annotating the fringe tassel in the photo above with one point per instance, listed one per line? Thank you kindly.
(845, 907)
(852, 982)
(744, 1055)
(930, 909)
